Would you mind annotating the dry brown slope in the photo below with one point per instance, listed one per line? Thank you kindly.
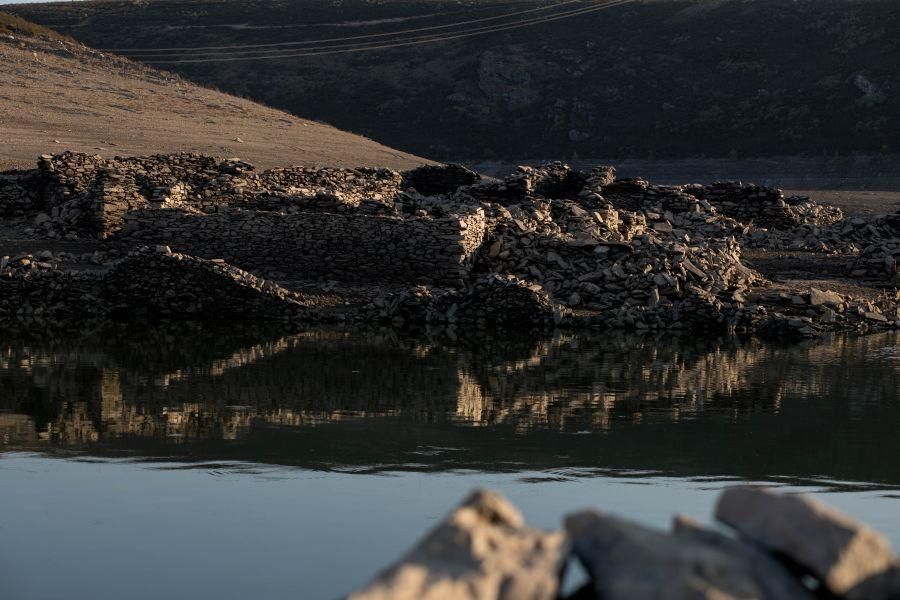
(56, 95)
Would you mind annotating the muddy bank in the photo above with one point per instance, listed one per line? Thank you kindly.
(186, 236)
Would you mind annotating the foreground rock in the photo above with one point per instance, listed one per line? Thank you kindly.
(884, 585)
(784, 547)
(839, 551)
(482, 550)
(626, 560)
(765, 570)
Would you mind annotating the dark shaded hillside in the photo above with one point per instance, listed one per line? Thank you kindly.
(651, 79)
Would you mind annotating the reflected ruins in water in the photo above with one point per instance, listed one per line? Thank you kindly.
(336, 400)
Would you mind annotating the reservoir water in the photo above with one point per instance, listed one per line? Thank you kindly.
(249, 463)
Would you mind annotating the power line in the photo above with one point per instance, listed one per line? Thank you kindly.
(319, 49)
(346, 38)
(327, 50)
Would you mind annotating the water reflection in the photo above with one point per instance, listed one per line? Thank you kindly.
(580, 404)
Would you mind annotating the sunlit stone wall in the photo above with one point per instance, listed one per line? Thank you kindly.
(318, 245)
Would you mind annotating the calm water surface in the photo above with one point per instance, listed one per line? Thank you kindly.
(244, 464)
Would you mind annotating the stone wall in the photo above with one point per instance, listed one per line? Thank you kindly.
(19, 193)
(296, 222)
(309, 245)
(432, 179)
(763, 206)
(110, 198)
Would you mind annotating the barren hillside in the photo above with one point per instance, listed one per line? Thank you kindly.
(58, 95)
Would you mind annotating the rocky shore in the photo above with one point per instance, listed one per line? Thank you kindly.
(766, 545)
(190, 237)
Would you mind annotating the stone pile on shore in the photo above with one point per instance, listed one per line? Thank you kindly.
(546, 246)
(770, 547)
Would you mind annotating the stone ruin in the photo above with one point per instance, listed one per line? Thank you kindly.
(291, 223)
(441, 244)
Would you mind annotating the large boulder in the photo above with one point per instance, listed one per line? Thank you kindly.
(839, 551)
(628, 561)
(774, 580)
(881, 586)
(482, 550)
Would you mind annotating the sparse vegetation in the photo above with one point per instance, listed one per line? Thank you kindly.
(17, 25)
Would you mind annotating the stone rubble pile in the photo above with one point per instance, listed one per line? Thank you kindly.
(365, 190)
(161, 283)
(148, 283)
(669, 263)
(494, 300)
(879, 260)
(809, 313)
(764, 207)
(46, 296)
(555, 180)
(77, 194)
(776, 547)
(845, 237)
(24, 265)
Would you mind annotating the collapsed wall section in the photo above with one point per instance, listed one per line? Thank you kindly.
(348, 247)
(763, 206)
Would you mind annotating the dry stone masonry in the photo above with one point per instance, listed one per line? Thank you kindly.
(545, 246)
